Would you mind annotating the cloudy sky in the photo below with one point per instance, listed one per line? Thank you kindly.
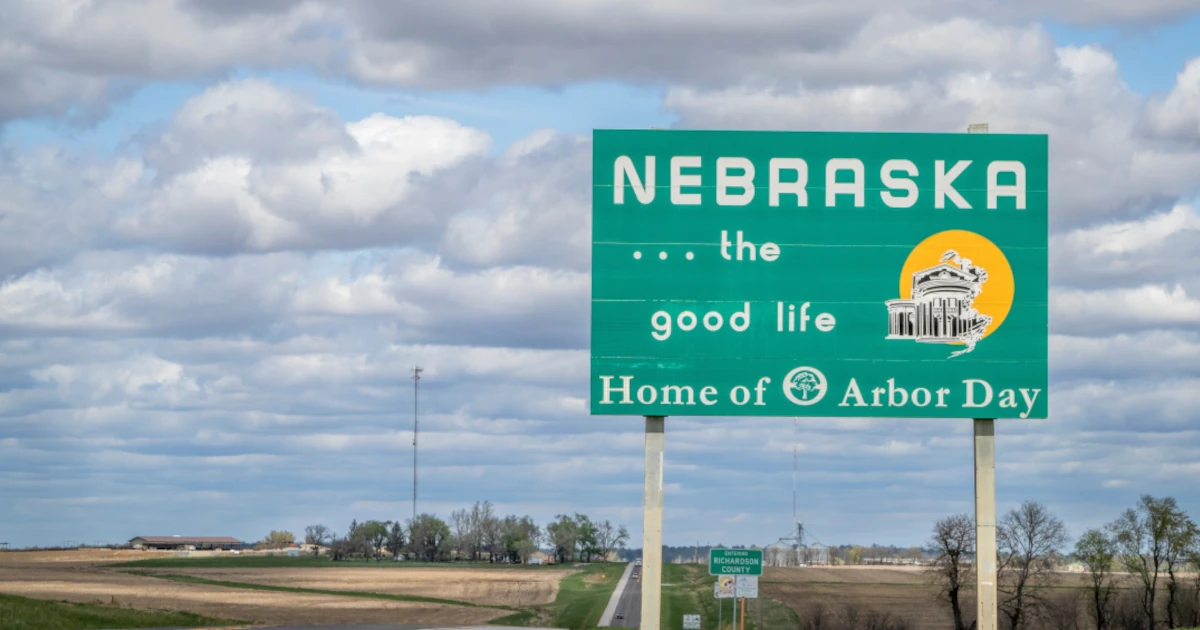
(229, 230)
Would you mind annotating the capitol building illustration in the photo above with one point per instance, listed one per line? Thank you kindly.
(941, 308)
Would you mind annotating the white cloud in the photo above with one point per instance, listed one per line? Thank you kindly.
(1159, 246)
(1103, 163)
(56, 55)
(1108, 311)
(250, 118)
(135, 380)
(706, 43)
(532, 207)
(255, 168)
(519, 305)
(1178, 115)
(68, 56)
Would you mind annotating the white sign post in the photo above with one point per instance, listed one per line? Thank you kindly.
(691, 622)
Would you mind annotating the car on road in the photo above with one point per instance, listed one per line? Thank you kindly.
(638, 563)
(620, 615)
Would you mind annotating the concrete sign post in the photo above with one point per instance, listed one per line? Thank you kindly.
(985, 524)
(652, 524)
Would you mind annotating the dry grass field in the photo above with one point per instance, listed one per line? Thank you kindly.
(488, 587)
(81, 576)
(903, 592)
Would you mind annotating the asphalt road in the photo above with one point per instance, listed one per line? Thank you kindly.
(630, 602)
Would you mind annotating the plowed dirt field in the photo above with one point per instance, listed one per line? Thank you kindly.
(81, 576)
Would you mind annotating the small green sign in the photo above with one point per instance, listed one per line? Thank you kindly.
(735, 562)
(819, 274)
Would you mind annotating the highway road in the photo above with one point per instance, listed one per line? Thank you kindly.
(630, 602)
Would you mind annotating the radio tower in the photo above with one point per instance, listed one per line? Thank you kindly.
(795, 429)
(416, 378)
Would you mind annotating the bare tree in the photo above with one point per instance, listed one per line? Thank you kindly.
(1195, 559)
(609, 538)
(491, 532)
(460, 527)
(1097, 551)
(318, 536)
(1182, 537)
(953, 540)
(1028, 537)
(1148, 540)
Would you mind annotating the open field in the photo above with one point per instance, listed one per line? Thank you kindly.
(79, 556)
(904, 593)
(489, 587)
(83, 578)
(282, 590)
(24, 613)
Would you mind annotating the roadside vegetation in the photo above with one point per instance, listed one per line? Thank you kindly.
(579, 604)
(22, 613)
(475, 534)
(688, 590)
(230, 561)
(1140, 570)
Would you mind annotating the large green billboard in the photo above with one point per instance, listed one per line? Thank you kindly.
(819, 274)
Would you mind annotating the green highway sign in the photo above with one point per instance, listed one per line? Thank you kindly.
(735, 562)
(819, 274)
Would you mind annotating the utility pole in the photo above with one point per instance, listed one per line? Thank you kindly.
(416, 378)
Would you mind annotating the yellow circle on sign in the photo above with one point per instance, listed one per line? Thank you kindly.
(996, 294)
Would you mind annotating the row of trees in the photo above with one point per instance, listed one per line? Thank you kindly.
(477, 533)
(1145, 552)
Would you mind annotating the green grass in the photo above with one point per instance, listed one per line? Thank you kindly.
(581, 600)
(273, 562)
(21, 613)
(315, 591)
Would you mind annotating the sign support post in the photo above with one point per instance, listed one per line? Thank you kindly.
(985, 523)
(652, 509)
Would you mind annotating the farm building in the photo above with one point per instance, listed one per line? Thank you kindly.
(185, 542)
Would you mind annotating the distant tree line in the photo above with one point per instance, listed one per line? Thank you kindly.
(1140, 570)
(475, 534)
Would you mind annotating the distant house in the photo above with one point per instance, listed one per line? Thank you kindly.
(183, 543)
(539, 557)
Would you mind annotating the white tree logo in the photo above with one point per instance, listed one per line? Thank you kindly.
(805, 386)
